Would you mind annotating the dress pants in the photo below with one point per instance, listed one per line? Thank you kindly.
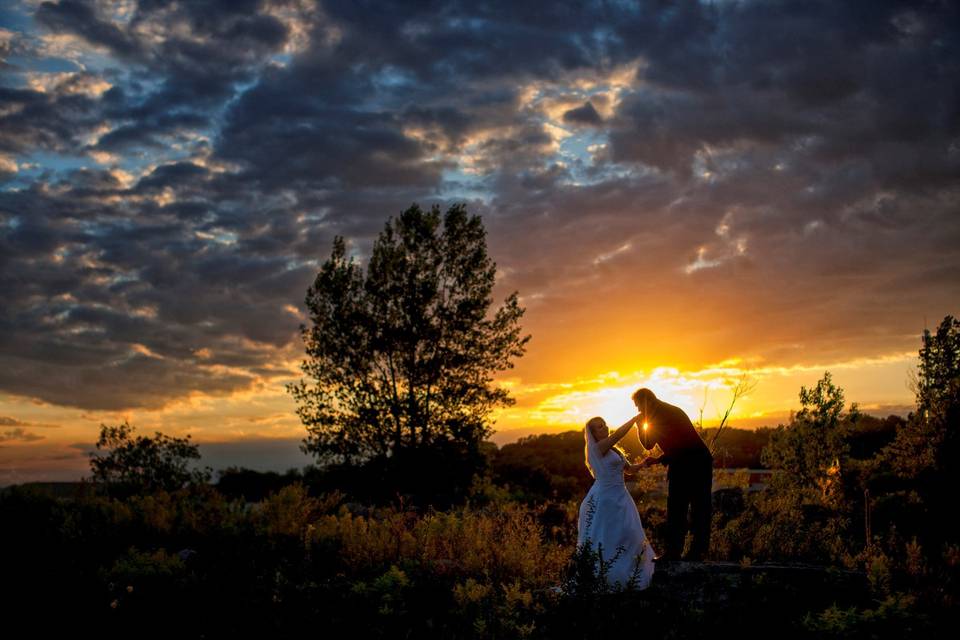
(689, 487)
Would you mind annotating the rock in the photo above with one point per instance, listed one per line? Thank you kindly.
(184, 554)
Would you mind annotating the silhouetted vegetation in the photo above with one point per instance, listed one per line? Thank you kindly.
(401, 357)
(140, 464)
(254, 486)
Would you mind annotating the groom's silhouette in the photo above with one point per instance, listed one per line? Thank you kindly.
(689, 472)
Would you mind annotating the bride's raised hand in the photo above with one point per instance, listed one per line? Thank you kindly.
(612, 439)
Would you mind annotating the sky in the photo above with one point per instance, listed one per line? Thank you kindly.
(682, 193)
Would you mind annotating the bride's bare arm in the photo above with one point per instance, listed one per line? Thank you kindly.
(612, 439)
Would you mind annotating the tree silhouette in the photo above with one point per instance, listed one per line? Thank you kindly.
(402, 356)
(141, 464)
(925, 454)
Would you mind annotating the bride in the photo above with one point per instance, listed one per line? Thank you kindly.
(609, 521)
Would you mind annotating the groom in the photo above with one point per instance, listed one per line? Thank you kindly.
(689, 472)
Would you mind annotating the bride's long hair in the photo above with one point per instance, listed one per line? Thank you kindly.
(591, 455)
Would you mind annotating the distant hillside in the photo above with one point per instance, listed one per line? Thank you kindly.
(736, 448)
(52, 489)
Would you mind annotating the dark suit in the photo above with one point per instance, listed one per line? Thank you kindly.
(689, 476)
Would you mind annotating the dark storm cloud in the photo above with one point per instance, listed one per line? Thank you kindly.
(196, 53)
(35, 121)
(847, 82)
(762, 154)
(82, 19)
(585, 114)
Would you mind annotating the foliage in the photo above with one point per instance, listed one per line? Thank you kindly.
(252, 485)
(918, 472)
(402, 356)
(811, 452)
(542, 467)
(927, 446)
(894, 616)
(143, 464)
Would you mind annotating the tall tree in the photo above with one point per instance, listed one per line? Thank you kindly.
(403, 356)
(928, 443)
(925, 454)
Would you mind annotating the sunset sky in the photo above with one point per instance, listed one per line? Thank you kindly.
(681, 192)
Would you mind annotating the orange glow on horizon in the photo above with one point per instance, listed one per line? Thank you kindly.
(877, 384)
(264, 411)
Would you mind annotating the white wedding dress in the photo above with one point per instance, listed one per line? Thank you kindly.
(609, 520)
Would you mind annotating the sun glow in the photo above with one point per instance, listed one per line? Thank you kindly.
(609, 397)
(703, 394)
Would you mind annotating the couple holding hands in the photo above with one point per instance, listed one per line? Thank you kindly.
(608, 519)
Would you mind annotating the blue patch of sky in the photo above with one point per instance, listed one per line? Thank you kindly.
(218, 118)
(456, 184)
(126, 276)
(467, 23)
(294, 263)
(240, 89)
(140, 85)
(218, 235)
(282, 59)
(105, 228)
(576, 147)
(18, 80)
(388, 82)
(390, 77)
(57, 162)
(575, 153)
(15, 17)
(42, 164)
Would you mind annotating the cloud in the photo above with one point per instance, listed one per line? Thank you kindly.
(585, 114)
(19, 435)
(7, 421)
(759, 179)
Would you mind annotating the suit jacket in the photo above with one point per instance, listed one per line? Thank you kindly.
(670, 427)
